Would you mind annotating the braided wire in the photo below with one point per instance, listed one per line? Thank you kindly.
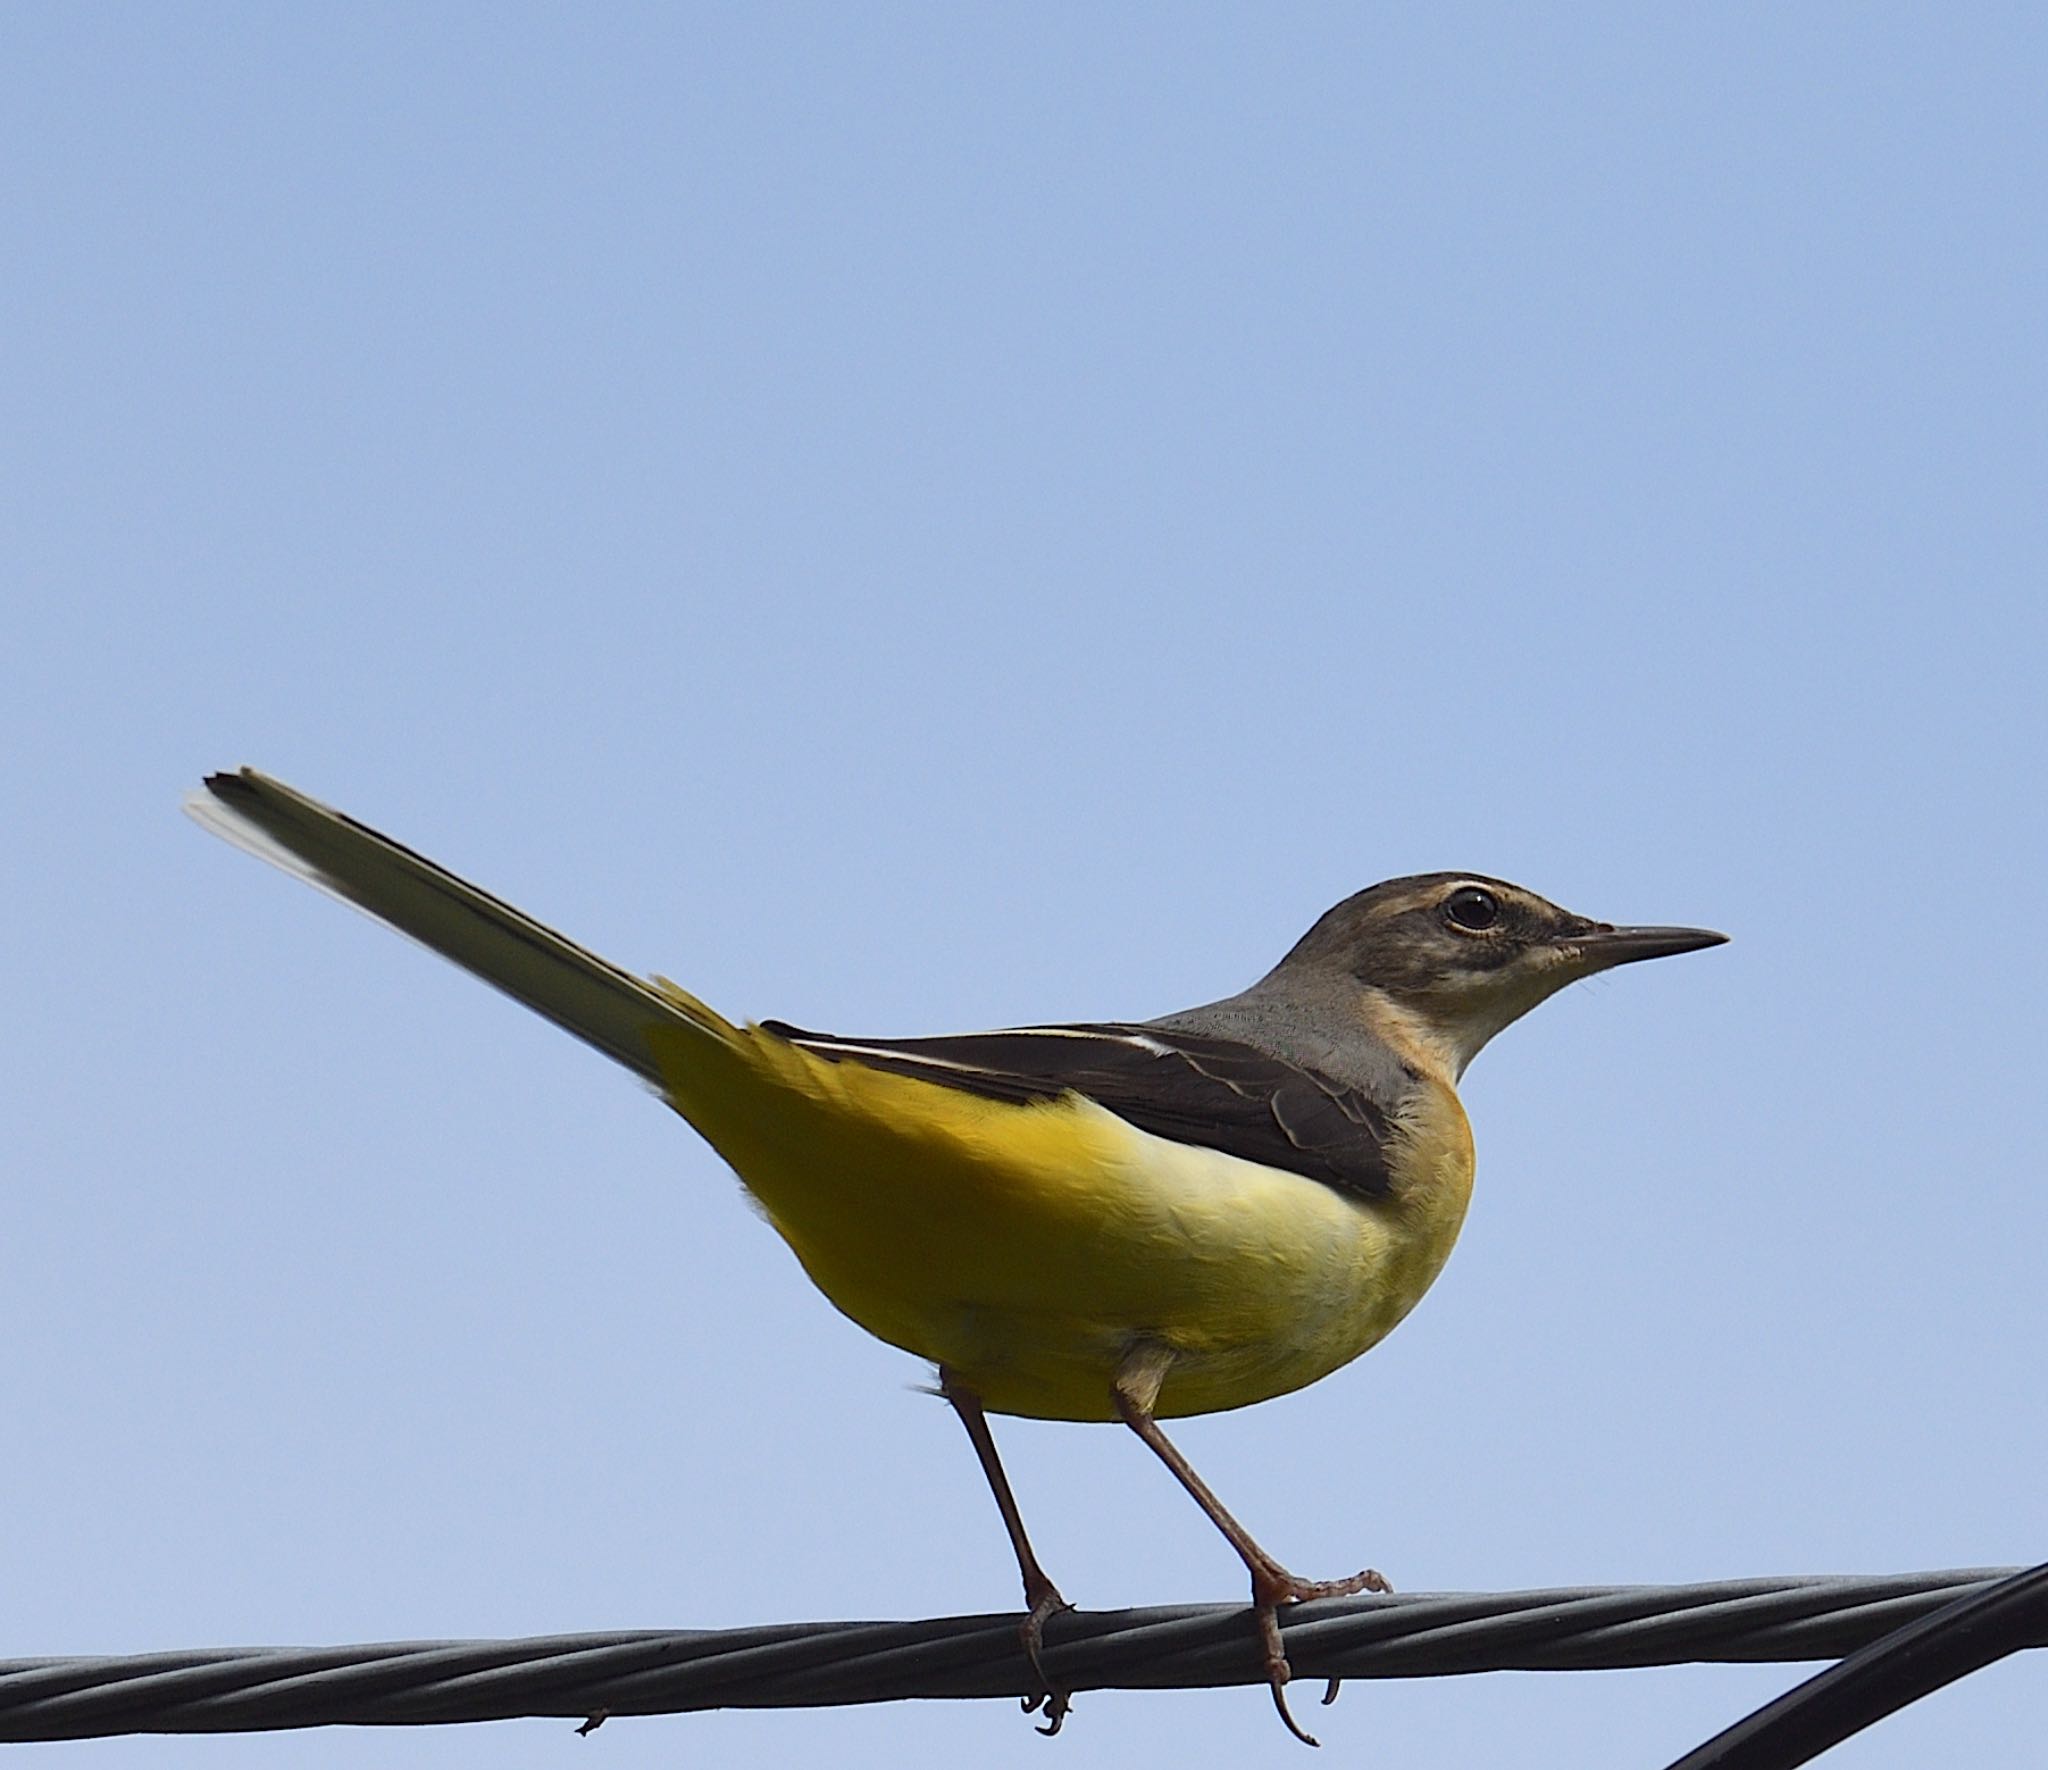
(645, 1672)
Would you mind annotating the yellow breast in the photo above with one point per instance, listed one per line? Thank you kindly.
(1029, 1247)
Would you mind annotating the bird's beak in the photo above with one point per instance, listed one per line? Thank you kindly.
(1603, 948)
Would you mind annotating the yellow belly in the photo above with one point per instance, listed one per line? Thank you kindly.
(1030, 1248)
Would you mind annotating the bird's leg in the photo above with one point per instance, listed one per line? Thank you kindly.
(1041, 1597)
(1136, 1391)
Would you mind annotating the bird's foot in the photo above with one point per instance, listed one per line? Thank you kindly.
(1045, 1601)
(1273, 1586)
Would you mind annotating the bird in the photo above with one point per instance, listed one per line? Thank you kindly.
(1129, 1221)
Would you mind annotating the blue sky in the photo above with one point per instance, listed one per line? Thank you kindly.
(910, 517)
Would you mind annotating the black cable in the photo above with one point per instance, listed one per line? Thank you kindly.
(807, 1664)
(1911, 1662)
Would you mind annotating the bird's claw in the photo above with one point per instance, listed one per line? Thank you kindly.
(1049, 1697)
(1275, 1586)
(1055, 1703)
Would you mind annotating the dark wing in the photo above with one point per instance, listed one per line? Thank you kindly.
(1214, 1093)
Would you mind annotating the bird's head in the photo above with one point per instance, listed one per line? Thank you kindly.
(1443, 961)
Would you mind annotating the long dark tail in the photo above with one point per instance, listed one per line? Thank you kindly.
(601, 1004)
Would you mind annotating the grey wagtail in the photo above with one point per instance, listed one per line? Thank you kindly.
(1127, 1221)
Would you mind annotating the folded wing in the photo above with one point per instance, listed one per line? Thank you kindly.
(1211, 1092)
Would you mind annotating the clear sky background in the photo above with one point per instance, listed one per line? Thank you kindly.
(918, 517)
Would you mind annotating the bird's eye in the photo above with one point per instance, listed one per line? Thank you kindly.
(1472, 908)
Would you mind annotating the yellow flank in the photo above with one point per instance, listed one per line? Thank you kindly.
(1029, 1248)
